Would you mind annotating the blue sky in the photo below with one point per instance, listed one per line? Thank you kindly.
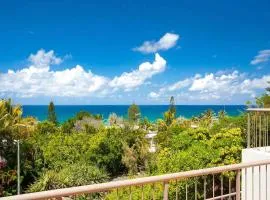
(119, 52)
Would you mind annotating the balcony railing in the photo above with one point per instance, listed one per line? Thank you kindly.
(258, 129)
(238, 181)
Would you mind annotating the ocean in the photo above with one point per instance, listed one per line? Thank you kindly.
(152, 112)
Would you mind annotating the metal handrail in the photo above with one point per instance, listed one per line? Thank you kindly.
(259, 109)
(133, 182)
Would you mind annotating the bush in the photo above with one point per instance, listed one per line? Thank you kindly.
(76, 174)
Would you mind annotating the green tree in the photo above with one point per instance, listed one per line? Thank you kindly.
(135, 157)
(206, 118)
(248, 103)
(172, 107)
(82, 114)
(10, 117)
(46, 127)
(229, 142)
(268, 88)
(51, 113)
(145, 123)
(264, 99)
(68, 126)
(77, 174)
(134, 113)
(13, 127)
(170, 115)
(82, 121)
(222, 114)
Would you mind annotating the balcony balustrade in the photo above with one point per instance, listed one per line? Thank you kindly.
(222, 182)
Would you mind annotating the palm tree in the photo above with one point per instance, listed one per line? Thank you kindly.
(10, 115)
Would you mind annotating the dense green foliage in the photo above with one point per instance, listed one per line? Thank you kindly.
(84, 150)
(264, 99)
(72, 175)
(83, 121)
(13, 128)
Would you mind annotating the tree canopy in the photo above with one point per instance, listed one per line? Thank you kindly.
(51, 113)
(85, 150)
(134, 113)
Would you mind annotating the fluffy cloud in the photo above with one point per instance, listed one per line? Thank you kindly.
(214, 86)
(146, 70)
(154, 95)
(227, 85)
(211, 82)
(262, 57)
(43, 60)
(180, 84)
(166, 42)
(38, 79)
(249, 86)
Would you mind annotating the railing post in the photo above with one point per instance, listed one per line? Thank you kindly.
(238, 185)
(130, 194)
(166, 191)
(248, 129)
(204, 188)
(260, 134)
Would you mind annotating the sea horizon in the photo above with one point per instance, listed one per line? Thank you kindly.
(152, 112)
(130, 104)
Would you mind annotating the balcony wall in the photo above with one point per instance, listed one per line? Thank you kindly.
(256, 180)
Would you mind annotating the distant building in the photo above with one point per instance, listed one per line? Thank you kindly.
(150, 136)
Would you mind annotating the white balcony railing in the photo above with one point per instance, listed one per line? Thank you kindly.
(222, 182)
(258, 129)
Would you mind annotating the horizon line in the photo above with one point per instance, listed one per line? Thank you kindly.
(131, 104)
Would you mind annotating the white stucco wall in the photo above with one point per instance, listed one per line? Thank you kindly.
(254, 183)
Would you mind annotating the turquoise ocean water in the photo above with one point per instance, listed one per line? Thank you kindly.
(152, 112)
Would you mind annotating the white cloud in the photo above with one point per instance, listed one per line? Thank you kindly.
(131, 80)
(180, 84)
(153, 95)
(211, 87)
(248, 86)
(228, 85)
(166, 42)
(211, 82)
(34, 81)
(43, 60)
(38, 79)
(262, 57)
